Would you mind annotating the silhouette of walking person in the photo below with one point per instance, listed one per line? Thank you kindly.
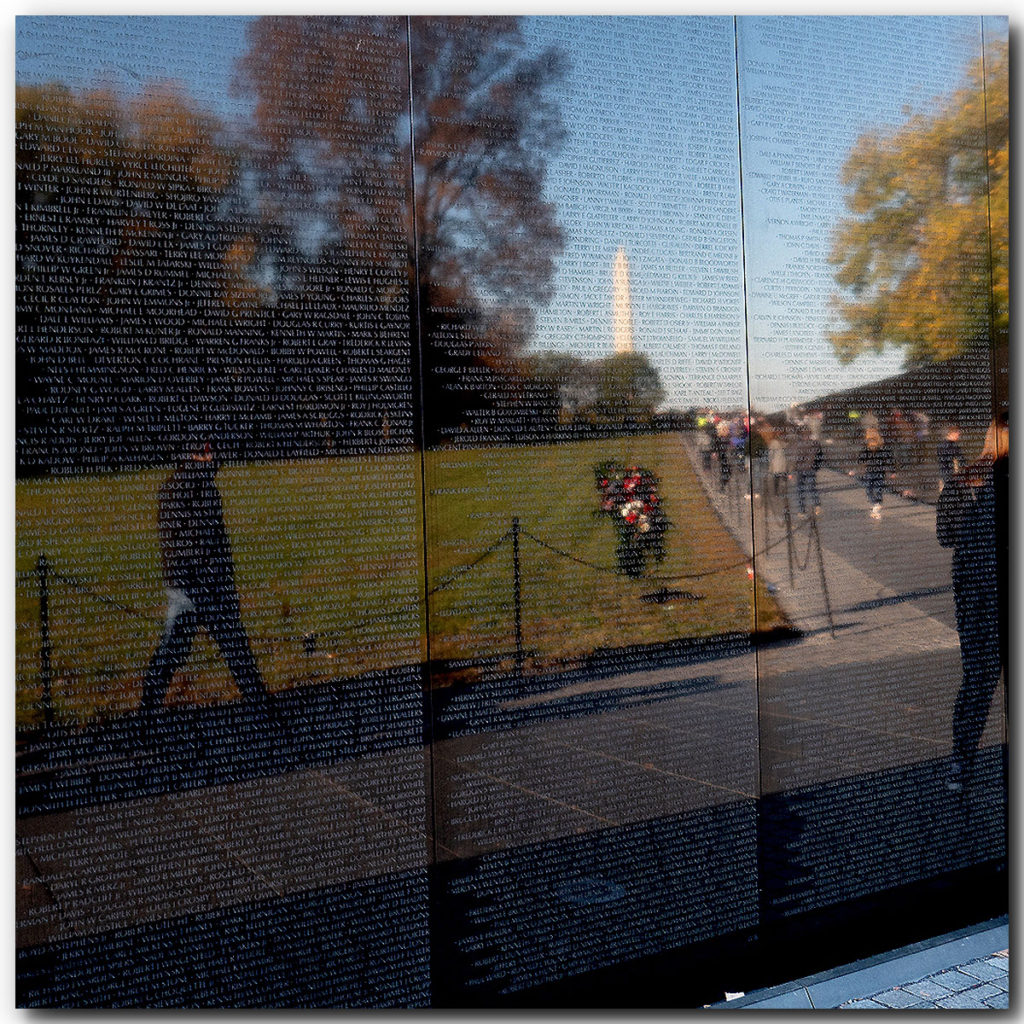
(199, 576)
(950, 456)
(878, 463)
(972, 519)
(723, 451)
(808, 459)
(778, 465)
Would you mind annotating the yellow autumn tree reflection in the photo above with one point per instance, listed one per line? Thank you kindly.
(922, 259)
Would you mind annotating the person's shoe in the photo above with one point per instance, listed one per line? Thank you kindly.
(876, 511)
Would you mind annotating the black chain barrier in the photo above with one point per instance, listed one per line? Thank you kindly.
(618, 572)
(807, 553)
(790, 535)
(90, 589)
(461, 571)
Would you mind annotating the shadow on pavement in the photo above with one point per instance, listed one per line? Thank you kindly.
(910, 595)
(337, 721)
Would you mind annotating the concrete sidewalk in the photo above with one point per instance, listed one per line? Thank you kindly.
(964, 970)
(873, 678)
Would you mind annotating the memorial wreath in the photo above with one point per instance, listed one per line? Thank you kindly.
(630, 496)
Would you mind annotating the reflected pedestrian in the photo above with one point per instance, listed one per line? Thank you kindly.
(899, 437)
(950, 456)
(922, 431)
(814, 422)
(198, 573)
(707, 450)
(723, 451)
(758, 437)
(777, 464)
(972, 518)
(807, 459)
(878, 463)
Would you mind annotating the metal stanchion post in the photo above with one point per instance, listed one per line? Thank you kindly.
(789, 539)
(517, 601)
(821, 571)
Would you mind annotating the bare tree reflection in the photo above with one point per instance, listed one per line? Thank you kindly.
(349, 170)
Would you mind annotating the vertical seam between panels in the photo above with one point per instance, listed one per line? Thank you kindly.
(992, 342)
(746, 363)
(988, 215)
(416, 336)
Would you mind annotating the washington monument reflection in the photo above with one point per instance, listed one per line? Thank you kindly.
(622, 303)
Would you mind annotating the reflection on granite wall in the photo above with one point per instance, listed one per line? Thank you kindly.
(505, 506)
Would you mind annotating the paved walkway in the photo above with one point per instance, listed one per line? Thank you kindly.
(873, 599)
(982, 984)
(966, 970)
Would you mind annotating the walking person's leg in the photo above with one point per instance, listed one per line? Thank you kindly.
(979, 655)
(874, 487)
(223, 620)
(970, 712)
(175, 644)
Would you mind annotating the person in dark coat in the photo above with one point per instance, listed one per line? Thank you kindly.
(778, 465)
(972, 518)
(199, 576)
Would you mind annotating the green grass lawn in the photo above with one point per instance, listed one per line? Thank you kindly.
(334, 549)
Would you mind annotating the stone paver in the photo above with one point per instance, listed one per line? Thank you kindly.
(977, 985)
(954, 980)
(897, 998)
(970, 999)
(983, 971)
(926, 990)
